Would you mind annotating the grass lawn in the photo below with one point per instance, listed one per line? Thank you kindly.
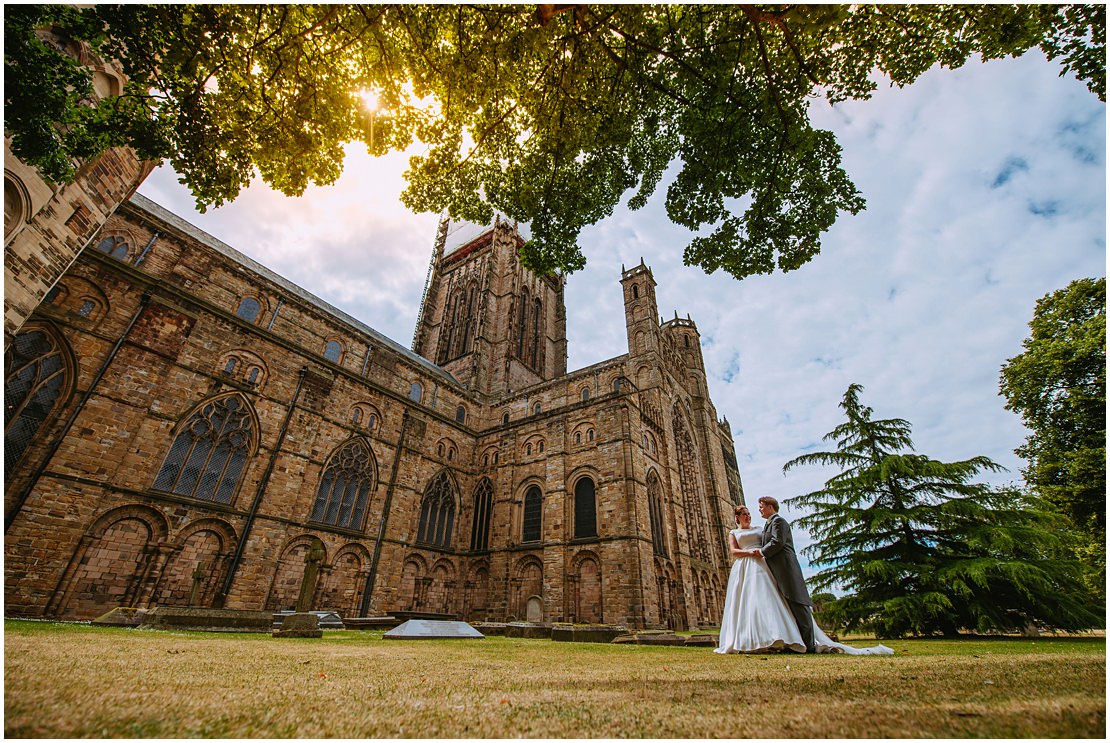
(73, 680)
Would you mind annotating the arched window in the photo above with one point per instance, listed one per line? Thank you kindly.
(34, 377)
(536, 341)
(253, 376)
(585, 509)
(483, 505)
(332, 351)
(635, 291)
(590, 435)
(371, 421)
(88, 306)
(616, 384)
(345, 487)
(537, 409)
(437, 513)
(113, 246)
(460, 414)
(505, 419)
(585, 394)
(356, 416)
(229, 367)
(578, 437)
(249, 309)
(528, 449)
(533, 515)
(655, 513)
(416, 392)
(210, 453)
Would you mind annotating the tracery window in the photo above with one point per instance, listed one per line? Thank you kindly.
(585, 508)
(249, 309)
(533, 515)
(345, 487)
(655, 514)
(113, 246)
(483, 505)
(437, 513)
(35, 375)
(209, 455)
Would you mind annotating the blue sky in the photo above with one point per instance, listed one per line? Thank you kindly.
(986, 190)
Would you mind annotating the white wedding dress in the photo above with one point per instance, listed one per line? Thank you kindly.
(756, 618)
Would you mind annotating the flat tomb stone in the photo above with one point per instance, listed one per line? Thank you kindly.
(702, 641)
(208, 620)
(299, 624)
(587, 632)
(121, 616)
(370, 622)
(433, 629)
(327, 619)
(528, 630)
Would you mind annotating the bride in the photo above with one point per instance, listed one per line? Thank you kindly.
(756, 618)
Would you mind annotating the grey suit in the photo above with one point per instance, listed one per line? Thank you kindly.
(782, 560)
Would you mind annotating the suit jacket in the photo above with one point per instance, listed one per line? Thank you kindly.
(778, 551)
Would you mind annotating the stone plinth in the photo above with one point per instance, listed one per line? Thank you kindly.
(429, 629)
(301, 624)
(208, 620)
(586, 632)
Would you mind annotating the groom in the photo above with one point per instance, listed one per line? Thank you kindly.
(778, 550)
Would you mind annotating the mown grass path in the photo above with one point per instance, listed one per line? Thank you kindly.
(69, 680)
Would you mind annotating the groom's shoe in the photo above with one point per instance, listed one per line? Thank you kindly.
(811, 651)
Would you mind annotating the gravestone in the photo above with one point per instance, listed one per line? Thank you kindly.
(533, 611)
(304, 623)
(199, 576)
(432, 629)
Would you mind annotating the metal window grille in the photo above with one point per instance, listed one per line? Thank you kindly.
(210, 452)
(344, 491)
(34, 376)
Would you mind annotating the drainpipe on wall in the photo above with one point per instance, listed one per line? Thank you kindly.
(221, 596)
(146, 250)
(370, 579)
(18, 505)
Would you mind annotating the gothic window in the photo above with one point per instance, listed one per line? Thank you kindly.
(483, 505)
(345, 487)
(249, 309)
(537, 314)
(416, 392)
(113, 246)
(210, 453)
(655, 513)
(460, 414)
(437, 513)
(332, 351)
(35, 375)
(533, 515)
(522, 325)
(585, 509)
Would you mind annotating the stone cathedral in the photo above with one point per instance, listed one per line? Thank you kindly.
(182, 426)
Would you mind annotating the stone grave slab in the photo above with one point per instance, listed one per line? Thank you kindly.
(326, 619)
(587, 632)
(370, 622)
(207, 620)
(433, 629)
(299, 624)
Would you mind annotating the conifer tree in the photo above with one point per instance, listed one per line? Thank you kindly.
(923, 549)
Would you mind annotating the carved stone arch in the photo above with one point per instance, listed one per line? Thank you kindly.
(526, 590)
(587, 600)
(197, 564)
(364, 415)
(244, 366)
(82, 298)
(17, 204)
(231, 421)
(40, 369)
(346, 580)
(441, 593)
(476, 591)
(115, 564)
(412, 587)
(285, 587)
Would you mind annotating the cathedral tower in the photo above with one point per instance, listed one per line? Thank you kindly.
(488, 320)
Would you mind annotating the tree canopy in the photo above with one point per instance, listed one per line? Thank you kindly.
(1058, 386)
(550, 114)
(922, 548)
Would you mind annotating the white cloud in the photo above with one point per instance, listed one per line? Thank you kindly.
(986, 190)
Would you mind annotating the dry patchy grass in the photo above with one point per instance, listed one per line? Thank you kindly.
(78, 681)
